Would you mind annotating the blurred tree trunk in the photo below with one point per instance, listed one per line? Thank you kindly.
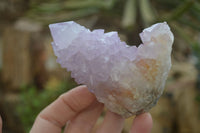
(16, 57)
(23, 54)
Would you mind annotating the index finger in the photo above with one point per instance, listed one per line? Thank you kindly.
(67, 106)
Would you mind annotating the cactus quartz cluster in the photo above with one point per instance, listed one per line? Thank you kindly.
(127, 79)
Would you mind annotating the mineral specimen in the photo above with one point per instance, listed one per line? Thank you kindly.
(127, 79)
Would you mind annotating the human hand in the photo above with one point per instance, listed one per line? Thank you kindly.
(80, 110)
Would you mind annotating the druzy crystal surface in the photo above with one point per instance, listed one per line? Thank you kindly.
(127, 79)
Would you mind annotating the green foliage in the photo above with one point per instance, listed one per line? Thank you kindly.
(33, 101)
(54, 11)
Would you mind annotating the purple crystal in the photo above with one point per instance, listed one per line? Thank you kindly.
(127, 79)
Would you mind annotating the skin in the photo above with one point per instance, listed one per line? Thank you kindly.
(79, 110)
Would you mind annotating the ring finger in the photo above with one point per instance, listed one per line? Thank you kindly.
(112, 123)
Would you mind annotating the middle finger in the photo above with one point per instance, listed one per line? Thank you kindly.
(84, 122)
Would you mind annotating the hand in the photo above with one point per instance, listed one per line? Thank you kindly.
(80, 110)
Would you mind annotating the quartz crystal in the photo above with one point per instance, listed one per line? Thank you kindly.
(127, 79)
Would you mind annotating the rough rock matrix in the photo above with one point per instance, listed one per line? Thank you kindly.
(127, 79)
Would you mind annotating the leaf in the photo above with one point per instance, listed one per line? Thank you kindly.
(130, 12)
(147, 12)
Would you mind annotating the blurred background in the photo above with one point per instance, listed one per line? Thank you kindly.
(30, 78)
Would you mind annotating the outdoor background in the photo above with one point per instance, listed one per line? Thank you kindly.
(30, 78)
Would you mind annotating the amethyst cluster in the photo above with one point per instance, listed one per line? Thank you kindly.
(127, 79)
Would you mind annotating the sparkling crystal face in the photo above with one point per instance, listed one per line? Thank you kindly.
(127, 79)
